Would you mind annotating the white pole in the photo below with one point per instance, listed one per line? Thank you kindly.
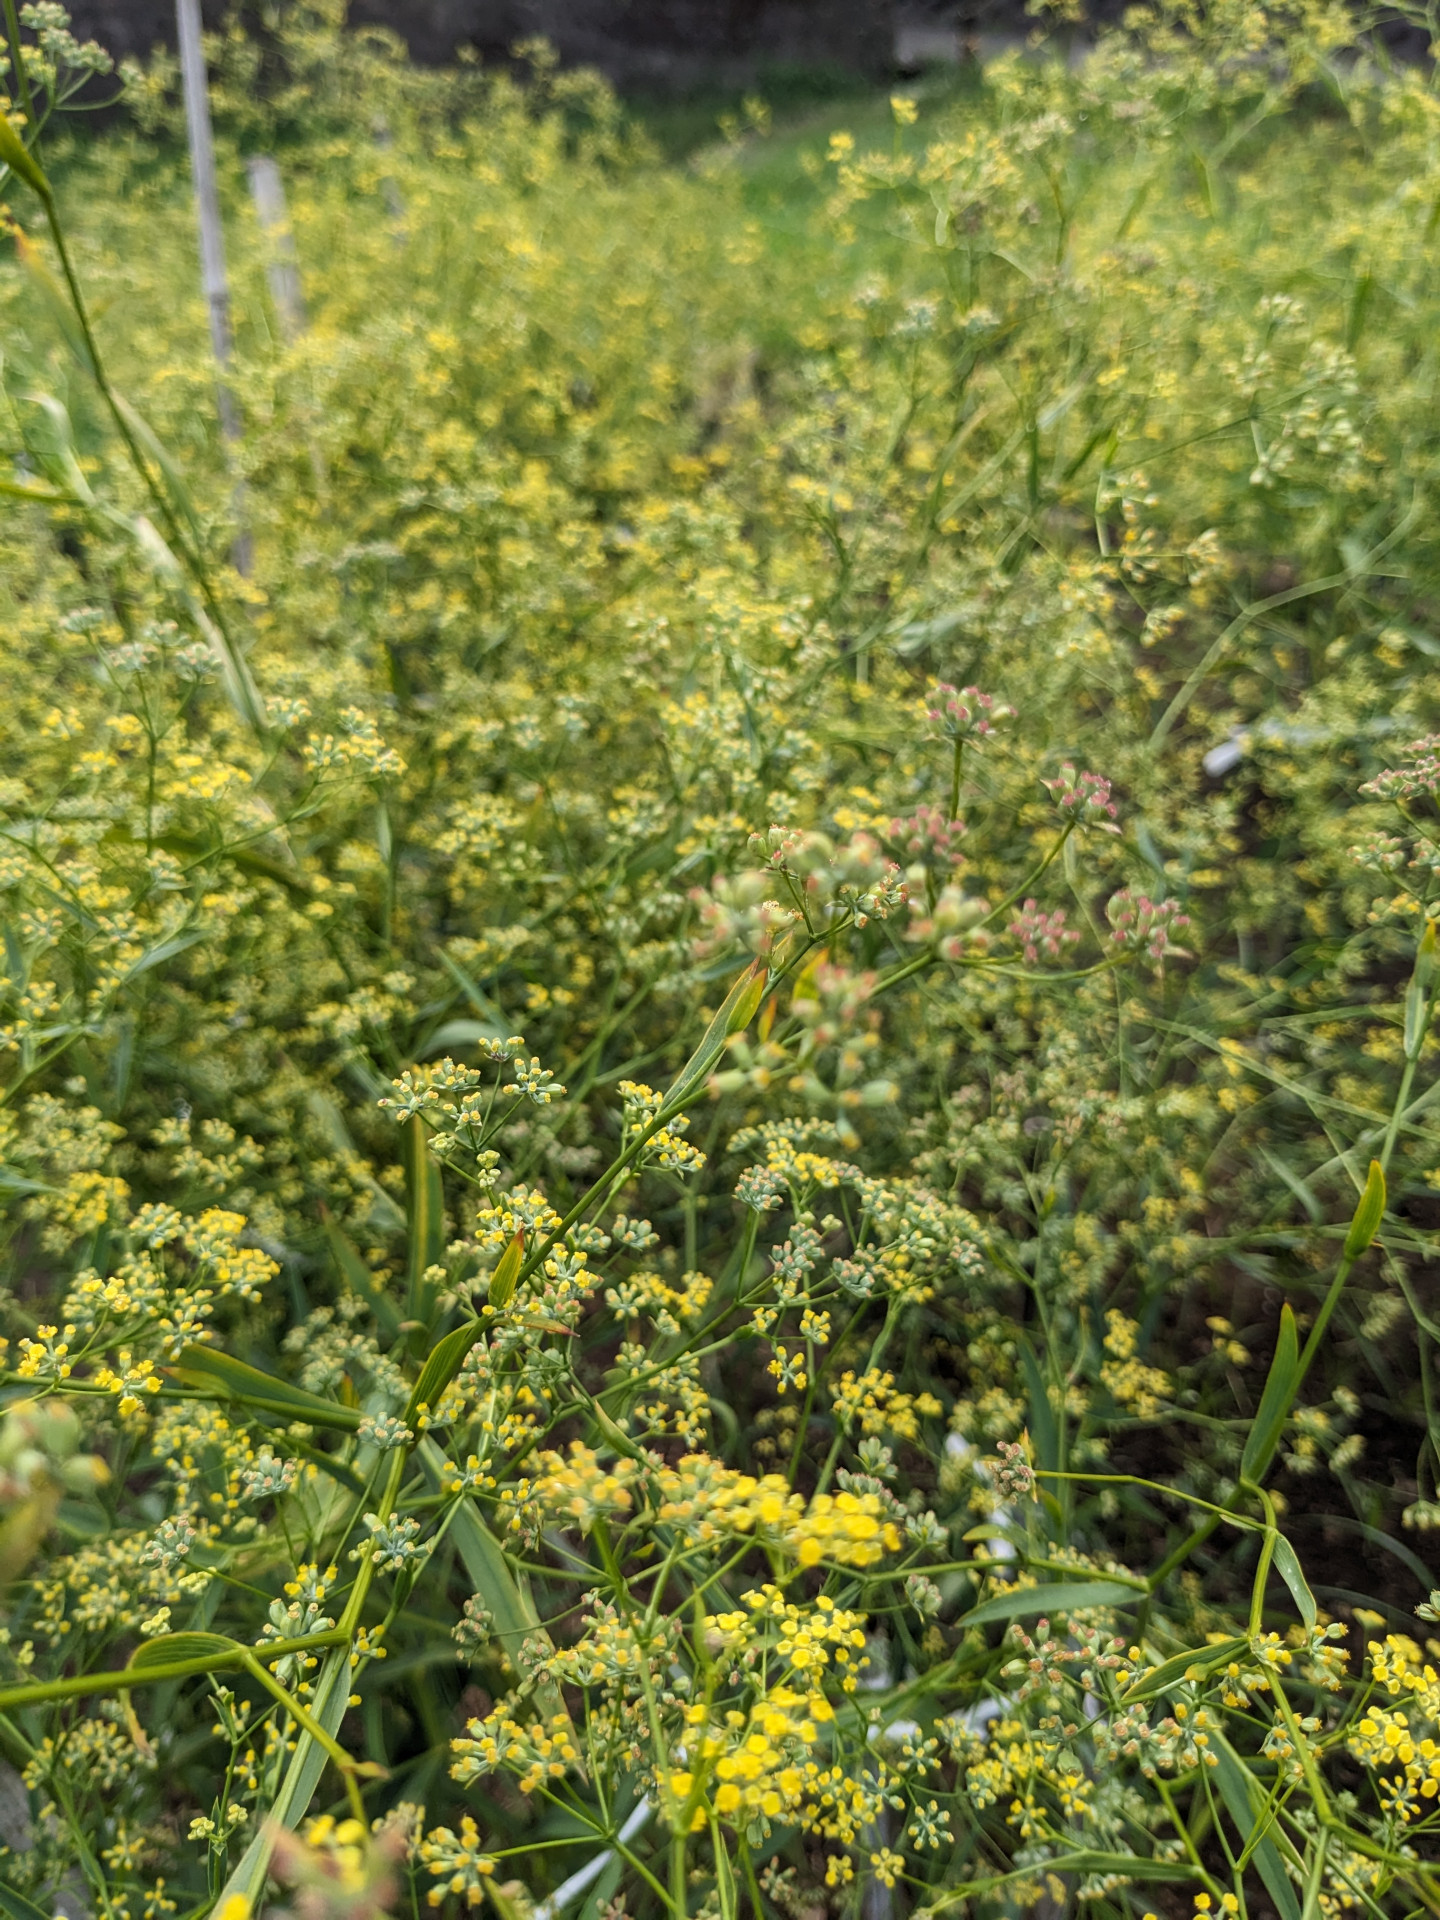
(282, 268)
(213, 279)
(394, 199)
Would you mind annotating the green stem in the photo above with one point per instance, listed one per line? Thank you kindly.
(121, 1679)
(350, 1619)
(677, 1875)
(312, 1726)
(1031, 878)
(22, 78)
(882, 1340)
(174, 531)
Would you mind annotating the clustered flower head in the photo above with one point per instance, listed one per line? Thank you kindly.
(1402, 1741)
(1139, 922)
(1040, 932)
(966, 715)
(928, 834)
(1418, 780)
(458, 1861)
(956, 924)
(1083, 798)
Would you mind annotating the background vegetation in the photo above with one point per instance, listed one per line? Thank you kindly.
(539, 1005)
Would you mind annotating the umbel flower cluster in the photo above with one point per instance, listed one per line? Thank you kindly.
(716, 1021)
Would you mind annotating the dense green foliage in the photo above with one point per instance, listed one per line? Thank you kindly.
(586, 1139)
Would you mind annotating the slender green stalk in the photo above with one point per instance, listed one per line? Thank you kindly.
(18, 67)
(121, 1679)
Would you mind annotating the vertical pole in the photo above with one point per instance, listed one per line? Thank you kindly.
(282, 268)
(394, 199)
(213, 279)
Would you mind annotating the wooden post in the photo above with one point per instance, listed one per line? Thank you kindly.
(213, 278)
(282, 267)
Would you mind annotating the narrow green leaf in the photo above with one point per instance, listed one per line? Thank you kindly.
(328, 1463)
(166, 950)
(1133, 1866)
(1293, 1181)
(1414, 1018)
(441, 1366)
(302, 1777)
(507, 1273)
(724, 1872)
(425, 1221)
(175, 480)
(1171, 1672)
(33, 490)
(383, 1209)
(359, 1279)
(1287, 1565)
(1063, 1596)
(17, 1907)
(166, 1648)
(745, 993)
(489, 1013)
(1269, 1423)
(460, 1033)
(1368, 1214)
(248, 1384)
(63, 452)
(1426, 954)
(1245, 1803)
(484, 1562)
(1044, 1430)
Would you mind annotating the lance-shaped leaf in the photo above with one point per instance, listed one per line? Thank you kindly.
(1245, 1803)
(737, 1010)
(1280, 1388)
(205, 1366)
(441, 1366)
(302, 1777)
(15, 1906)
(21, 162)
(1195, 1663)
(1064, 1596)
(507, 1273)
(1287, 1565)
(1365, 1223)
(425, 1223)
(359, 1279)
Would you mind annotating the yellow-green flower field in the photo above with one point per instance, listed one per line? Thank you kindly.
(717, 1114)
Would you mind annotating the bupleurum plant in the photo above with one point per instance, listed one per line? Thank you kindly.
(716, 1120)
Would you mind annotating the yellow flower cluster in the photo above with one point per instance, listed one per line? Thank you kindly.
(612, 1651)
(810, 1638)
(1389, 1738)
(458, 1861)
(708, 1499)
(759, 1761)
(534, 1751)
(1141, 1390)
(669, 1307)
(575, 1490)
(1026, 1766)
(873, 1401)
